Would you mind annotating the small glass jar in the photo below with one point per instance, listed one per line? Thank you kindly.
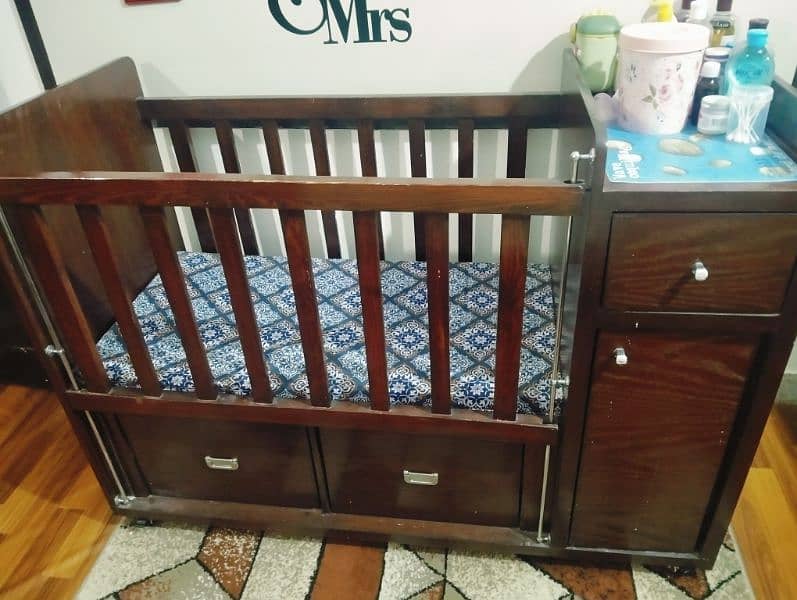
(713, 118)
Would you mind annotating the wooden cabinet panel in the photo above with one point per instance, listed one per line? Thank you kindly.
(749, 259)
(274, 464)
(477, 481)
(656, 434)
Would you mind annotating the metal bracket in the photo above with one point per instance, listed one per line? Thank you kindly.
(54, 351)
(576, 157)
(122, 501)
(563, 381)
(545, 538)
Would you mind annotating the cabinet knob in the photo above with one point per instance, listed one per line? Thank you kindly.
(620, 357)
(700, 271)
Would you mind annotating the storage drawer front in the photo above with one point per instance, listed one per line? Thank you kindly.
(392, 475)
(224, 460)
(655, 437)
(749, 260)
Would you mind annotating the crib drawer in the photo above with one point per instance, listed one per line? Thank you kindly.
(223, 460)
(748, 261)
(423, 477)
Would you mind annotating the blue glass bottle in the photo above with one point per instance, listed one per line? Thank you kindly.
(752, 64)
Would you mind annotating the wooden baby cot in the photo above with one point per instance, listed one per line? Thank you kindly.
(91, 221)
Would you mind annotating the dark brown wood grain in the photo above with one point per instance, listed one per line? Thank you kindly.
(223, 224)
(511, 297)
(294, 230)
(370, 278)
(437, 286)
(174, 285)
(364, 479)
(119, 296)
(750, 259)
(367, 146)
(417, 135)
(517, 147)
(219, 190)
(531, 493)
(181, 142)
(465, 170)
(656, 434)
(273, 147)
(172, 451)
(318, 139)
(229, 157)
(50, 271)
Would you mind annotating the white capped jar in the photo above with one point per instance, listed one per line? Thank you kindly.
(713, 117)
(658, 68)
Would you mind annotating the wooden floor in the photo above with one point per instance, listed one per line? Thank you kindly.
(54, 520)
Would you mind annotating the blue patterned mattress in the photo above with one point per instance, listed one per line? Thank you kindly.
(473, 311)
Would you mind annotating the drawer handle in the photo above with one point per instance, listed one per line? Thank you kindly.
(700, 271)
(414, 478)
(620, 357)
(221, 464)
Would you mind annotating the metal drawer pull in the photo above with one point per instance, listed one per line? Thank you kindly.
(700, 271)
(620, 357)
(221, 464)
(414, 478)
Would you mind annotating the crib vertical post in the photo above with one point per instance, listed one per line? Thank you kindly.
(273, 148)
(121, 299)
(174, 284)
(294, 230)
(222, 221)
(517, 147)
(511, 298)
(229, 157)
(417, 131)
(365, 140)
(366, 240)
(437, 286)
(51, 273)
(465, 132)
(318, 139)
(185, 161)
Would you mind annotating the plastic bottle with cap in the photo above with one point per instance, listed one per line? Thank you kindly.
(698, 14)
(752, 64)
(707, 85)
(682, 14)
(723, 25)
(758, 23)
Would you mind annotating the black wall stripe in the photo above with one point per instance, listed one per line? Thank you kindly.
(36, 43)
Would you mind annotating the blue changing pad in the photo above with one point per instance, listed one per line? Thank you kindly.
(691, 157)
(473, 311)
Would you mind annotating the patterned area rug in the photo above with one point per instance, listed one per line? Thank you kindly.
(169, 561)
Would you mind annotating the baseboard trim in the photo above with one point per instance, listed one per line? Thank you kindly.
(787, 394)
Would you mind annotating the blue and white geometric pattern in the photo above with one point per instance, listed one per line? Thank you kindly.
(473, 313)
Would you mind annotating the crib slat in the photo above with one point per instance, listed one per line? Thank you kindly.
(223, 223)
(294, 230)
(417, 130)
(99, 238)
(174, 284)
(511, 297)
(437, 286)
(366, 240)
(185, 161)
(229, 157)
(273, 147)
(365, 139)
(465, 169)
(318, 138)
(52, 275)
(516, 155)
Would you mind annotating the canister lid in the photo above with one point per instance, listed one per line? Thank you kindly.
(710, 69)
(664, 38)
(598, 25)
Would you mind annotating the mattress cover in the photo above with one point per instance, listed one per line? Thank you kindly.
(473, 316)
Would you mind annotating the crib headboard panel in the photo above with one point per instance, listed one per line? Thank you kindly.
(87, 124)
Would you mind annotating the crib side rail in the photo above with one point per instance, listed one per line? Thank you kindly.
(221, 196)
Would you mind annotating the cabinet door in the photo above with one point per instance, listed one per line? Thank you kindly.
(656, 433)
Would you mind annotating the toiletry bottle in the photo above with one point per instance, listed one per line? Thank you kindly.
(698, 14)
(707, 85)
(665, 13)
(758, 24)
(682, 14)
(723, 25)
(720, 55)
(652, 13)
(751, 64)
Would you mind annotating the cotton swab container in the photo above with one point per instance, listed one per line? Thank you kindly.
(749, 109)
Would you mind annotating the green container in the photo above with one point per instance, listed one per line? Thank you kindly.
(595, 41)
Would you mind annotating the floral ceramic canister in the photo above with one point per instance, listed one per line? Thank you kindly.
(657, 73)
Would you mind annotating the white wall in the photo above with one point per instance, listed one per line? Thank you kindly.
(19, 79)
